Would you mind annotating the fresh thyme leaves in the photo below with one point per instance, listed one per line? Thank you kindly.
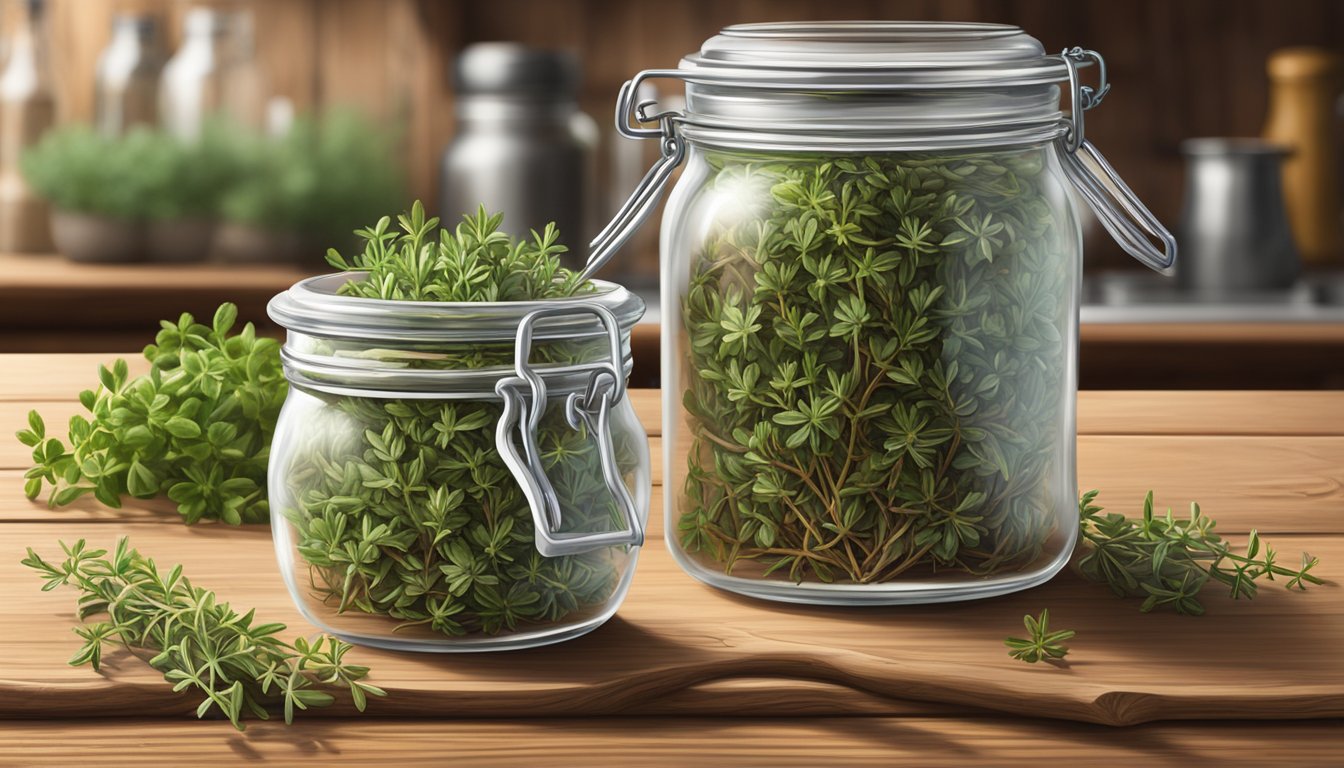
(1040, 644)
(476, 262)
(403, 508)
(198, 642)
(1168, 561)
(197, 427)
(878, 367)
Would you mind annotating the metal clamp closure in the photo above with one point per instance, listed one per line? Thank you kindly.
(1121, 212)
(525, 403)
(644, 199)
(1083, 97)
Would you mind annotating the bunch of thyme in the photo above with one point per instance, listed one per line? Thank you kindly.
(474, 262)
(197, 427)
(197, 642)
(878, 366)
(403, 507)
(1169, 561)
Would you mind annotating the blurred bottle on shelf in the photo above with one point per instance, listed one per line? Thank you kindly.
(214, 72)
(27, 110)
(127, 81)
(1305, 85)
(522, 147)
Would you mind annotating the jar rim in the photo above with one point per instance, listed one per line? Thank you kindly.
(313, 307)
(873, 55)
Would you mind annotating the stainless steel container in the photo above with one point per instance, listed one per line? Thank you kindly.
(1234, 231)
(127, 81)
(522, 146)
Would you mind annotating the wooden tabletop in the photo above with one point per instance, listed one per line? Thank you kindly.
(688, 674)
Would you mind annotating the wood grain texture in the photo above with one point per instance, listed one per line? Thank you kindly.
(675, 743)
(679, 648)
(672, 635)
(1225, 333)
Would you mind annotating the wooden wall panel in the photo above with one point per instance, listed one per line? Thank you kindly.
(1181, 68)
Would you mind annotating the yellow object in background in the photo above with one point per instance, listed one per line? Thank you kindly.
(1305, 84)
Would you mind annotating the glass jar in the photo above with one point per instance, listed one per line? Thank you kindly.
(457, 476)
(870, 272)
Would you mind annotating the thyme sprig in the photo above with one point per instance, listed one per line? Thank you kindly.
(1168, 561)
(197, 642)
(1041, 644)
(197, 427)
(474, 262)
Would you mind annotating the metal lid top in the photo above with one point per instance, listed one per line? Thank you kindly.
(875, 54)
(871, 86)
(511, 69)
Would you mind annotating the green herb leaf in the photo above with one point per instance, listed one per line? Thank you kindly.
(1041, 644)
(198, 642)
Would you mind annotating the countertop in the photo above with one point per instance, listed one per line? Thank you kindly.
(686, 674)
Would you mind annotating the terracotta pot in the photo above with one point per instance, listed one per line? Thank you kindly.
(242, 243)
(180, 240)
(94, 238)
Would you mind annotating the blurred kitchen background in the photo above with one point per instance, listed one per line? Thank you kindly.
(183, 153)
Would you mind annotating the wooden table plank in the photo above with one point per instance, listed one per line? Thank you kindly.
(1210, 413)
(673, 742)
(947, 655)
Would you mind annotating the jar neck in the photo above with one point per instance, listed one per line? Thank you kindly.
(448, 349)
(913, 120)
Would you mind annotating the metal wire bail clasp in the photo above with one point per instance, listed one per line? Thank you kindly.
(525, 403)
(1121, 212)
(650, 188)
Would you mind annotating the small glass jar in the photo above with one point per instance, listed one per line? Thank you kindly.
(871, 265)
(457, 476)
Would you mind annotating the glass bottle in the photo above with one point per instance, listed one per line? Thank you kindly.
(27, 110)
(213, 73)
(127, 81)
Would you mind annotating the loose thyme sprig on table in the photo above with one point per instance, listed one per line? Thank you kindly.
(197, 427)
(1169, 561)
(198, 643)
(1041, 644)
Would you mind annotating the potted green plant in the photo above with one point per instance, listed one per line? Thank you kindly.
(184, 185)
(94, 186)
(294, 193)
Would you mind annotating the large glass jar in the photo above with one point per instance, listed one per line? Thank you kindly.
(870, 275)
(457, 476)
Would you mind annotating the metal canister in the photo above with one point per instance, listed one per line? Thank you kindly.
(522, 147)
(1234, 230)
